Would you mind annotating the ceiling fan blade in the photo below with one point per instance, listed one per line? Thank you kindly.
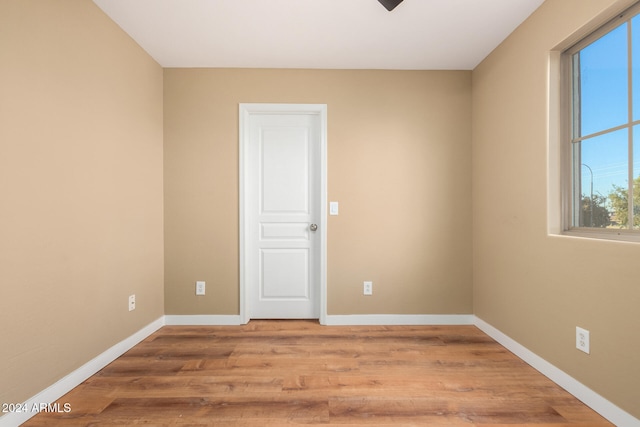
(390, 4)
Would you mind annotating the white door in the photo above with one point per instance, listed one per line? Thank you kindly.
(282, 147)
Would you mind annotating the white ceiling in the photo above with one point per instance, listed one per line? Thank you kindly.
(342, 34)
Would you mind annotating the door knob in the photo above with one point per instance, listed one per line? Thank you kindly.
(313, 227)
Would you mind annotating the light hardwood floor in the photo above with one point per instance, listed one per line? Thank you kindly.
(273, 373)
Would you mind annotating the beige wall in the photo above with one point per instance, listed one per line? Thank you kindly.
(398, 162)
(80, 190)
(534, 287)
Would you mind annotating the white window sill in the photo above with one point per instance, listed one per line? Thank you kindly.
(604, 234)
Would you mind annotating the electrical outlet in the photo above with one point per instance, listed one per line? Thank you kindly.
(132, 302)
(368, 288)
(200, 288)
(582, 340)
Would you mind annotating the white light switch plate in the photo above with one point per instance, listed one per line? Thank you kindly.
(333, 208)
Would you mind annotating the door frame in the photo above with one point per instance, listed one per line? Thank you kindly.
(246, 110)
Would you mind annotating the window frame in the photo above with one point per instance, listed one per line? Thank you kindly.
(568, 123)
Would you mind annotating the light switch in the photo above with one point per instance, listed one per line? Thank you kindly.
(333, 208)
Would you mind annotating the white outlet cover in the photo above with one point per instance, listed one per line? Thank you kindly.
(368, 288)
(582, 340)
(132, 302)
(200, 288)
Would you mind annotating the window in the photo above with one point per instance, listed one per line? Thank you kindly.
(604, 128)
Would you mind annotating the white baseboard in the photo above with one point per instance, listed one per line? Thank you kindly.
(589, 397)
(72, 380)
(399, 319)
(333, 320)
(202, 320)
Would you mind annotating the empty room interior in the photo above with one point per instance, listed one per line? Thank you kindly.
(122, 175)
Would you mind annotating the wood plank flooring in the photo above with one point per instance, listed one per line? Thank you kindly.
(274, 373)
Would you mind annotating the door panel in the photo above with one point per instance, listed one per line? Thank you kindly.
(285, 168)
(285, 275)
(283, 230)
